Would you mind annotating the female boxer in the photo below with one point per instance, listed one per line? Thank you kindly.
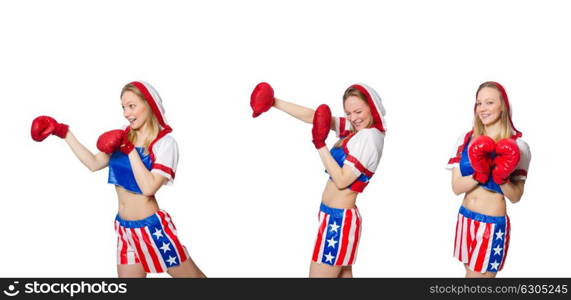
(489, 164)
(350, 164)
(141, 158)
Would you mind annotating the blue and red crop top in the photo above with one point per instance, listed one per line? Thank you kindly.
(121, 173)
(362, 152)
(361, 182)
(162, 159)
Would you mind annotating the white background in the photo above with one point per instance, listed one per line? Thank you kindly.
(247, 191)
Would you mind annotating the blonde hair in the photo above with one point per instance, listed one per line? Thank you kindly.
(153, 122)
(506, 128)
(350, 92)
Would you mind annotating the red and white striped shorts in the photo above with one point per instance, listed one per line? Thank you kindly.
(338, 236)
(481, 241)
(152, 242)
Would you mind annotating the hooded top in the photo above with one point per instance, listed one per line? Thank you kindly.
(460, 157)
(362, 150)
(163, 150)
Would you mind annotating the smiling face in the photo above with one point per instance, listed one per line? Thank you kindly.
(358, 112)
(488, 106)
(135, 110)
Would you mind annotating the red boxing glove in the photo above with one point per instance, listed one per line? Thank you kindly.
(114, 140)
(262, 99)
(43, 126)
(321, 125)
(110, 141)
(126, 145)
(480, 153)
(507, 158)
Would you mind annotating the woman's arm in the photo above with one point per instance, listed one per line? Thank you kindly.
(462, 184)
(342, 177)
(299, 112)
(92, 162)
(513, 190)
(148, 182)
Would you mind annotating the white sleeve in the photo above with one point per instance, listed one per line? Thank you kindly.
(454, 160)
(342, 126)
(364, 151)
(165, 152)
(520, 172)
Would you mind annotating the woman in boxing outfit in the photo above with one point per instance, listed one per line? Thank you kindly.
(489, 164)
(350, 164)
(141, 159)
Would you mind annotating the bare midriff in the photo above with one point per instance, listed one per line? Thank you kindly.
(485, 202)
(338, 198)
(134, 206)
